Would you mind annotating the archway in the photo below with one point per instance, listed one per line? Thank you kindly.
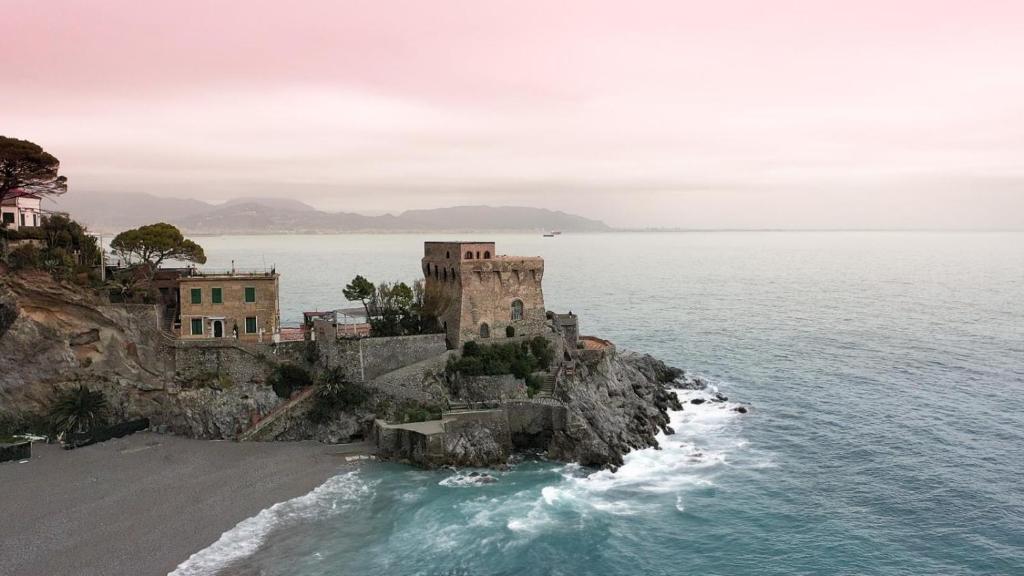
(510, 332)
(218, 329)
(517, 310)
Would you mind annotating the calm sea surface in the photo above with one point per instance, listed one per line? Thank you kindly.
(885, 372)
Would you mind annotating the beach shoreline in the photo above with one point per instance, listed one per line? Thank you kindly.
(143, 504)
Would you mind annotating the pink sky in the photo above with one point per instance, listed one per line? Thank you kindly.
(712, 114)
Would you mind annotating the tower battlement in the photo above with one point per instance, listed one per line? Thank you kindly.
(479, 295)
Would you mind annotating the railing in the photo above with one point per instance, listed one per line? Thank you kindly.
(250, 272)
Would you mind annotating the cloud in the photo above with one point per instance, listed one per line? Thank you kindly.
(667, 114)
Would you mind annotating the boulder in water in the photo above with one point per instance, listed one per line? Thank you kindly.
(740, 409)
(697, 401)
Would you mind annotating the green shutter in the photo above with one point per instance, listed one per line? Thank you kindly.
(250, 294)
(197, 295)
(216, 296)
(197, 326)
(250, 325)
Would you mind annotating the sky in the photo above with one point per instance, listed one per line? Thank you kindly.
(692, 114)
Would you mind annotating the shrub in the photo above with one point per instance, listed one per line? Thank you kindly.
(287, 378)
(542, 351)
(24, 422)
(8, 314)
(519, 359)
(334, 394)
(24, 257)
(312, 352)
(79, 410)
(416, 412)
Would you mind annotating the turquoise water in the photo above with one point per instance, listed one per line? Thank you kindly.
(885, 372)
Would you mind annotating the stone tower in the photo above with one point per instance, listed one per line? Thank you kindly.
(477, 295)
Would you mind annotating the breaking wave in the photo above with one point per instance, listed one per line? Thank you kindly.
(245, 538)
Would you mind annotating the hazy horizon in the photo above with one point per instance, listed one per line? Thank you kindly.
(737, 115)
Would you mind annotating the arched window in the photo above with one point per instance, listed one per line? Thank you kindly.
(487, 254)
(477, 254)
(510, 332)
(445, 274)
(469, 255)
(436, 273)
(517, 310)
(485, 330)
(448, 254)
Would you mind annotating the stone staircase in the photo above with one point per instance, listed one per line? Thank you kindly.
(276, 414)
(547, 388)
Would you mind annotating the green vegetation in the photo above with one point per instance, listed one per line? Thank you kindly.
(25, 166)
(360, 290)
(287, 378)
(153, 244)
(334, 394)
(392, 309)
(24, 422)
(60, 246)
(520, 359)
(79, 410)
(416, 412)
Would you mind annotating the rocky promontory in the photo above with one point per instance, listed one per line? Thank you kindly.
(598, 404)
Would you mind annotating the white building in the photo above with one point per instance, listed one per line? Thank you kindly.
(21, 210)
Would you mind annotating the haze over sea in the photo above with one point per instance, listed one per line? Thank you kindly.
(885, 372)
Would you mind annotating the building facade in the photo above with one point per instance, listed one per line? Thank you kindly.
(244, 306)
(21, 210)
(477, 295)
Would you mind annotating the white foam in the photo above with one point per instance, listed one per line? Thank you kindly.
(705, 439)
(467, 481)
(247, 536)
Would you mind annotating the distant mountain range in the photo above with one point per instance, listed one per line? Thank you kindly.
(113, 212)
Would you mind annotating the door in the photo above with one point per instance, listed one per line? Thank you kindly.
(218, 329)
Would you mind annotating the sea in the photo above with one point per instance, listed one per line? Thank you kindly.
(883, 372)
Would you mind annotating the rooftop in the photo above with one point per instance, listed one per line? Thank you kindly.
(227, 274)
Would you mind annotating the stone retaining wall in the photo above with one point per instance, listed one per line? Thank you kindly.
(486, 388)
(19, 451)
(206, 359)
(364, 359)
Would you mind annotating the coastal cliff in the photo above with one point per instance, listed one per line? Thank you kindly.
(602, 404)
(615, 405)
(607, 405)
(54, 335)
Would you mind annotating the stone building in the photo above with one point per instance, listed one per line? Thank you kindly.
(478, 295)
(241, 305)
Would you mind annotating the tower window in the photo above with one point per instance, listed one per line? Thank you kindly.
(517, 310)
(448, 254)
(485, 330)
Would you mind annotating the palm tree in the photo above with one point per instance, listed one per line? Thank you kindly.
(78, 410)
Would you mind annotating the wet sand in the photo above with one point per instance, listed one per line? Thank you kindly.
(141, 505)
